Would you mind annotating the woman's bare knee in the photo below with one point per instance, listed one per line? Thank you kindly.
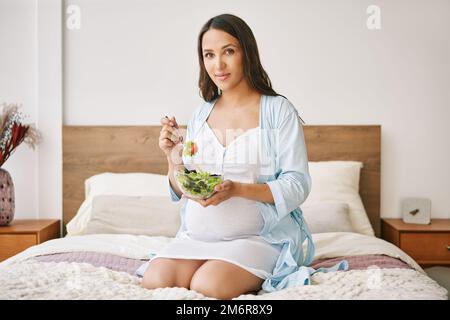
(222, 280)
(163, 273)
(213, 287)
(210, 287)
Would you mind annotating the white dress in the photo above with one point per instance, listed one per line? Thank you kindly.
(231, 230)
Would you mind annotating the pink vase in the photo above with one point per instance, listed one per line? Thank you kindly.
(6, 198)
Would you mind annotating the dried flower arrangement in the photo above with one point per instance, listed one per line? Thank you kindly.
(13, 132)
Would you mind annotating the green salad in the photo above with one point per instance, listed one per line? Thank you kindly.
(198, 185)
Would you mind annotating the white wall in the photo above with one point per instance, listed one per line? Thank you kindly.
(18, 83)
(134, 61)
(49, 34)
(31, 74)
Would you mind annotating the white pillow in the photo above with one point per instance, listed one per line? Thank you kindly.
(327, 216)
(118, 184)
(127, 184)
(339, 181)
(142, 215)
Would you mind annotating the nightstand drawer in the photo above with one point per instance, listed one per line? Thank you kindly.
(426, 246)
(12, 244)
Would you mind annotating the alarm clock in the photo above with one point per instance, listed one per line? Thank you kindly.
(416, 210)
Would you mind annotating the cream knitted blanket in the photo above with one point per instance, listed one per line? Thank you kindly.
(21, 277)
(31, 279)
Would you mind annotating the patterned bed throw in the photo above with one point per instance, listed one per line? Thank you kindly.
(118, 263)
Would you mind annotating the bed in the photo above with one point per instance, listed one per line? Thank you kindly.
(102, 163)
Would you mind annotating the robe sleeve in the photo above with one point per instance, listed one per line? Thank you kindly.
(173, 196)
(293, 181)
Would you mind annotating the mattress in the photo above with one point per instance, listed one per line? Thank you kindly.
(103, 266)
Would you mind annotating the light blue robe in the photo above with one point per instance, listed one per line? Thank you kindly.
(284, 167)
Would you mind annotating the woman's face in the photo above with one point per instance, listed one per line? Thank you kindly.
(223, 59)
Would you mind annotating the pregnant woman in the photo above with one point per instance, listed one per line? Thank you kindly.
(249, 234)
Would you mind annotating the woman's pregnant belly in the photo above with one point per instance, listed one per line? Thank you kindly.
(231, 219)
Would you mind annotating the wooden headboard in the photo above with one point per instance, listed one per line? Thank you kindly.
(89, 150)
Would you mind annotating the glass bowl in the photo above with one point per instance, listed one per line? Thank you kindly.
(197, 184)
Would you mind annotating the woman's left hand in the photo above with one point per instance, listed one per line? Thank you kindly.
(223, 191)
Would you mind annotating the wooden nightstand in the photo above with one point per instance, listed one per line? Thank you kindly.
(21, 234)
(429, 244)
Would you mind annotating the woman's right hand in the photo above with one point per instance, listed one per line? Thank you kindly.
(169, 136)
